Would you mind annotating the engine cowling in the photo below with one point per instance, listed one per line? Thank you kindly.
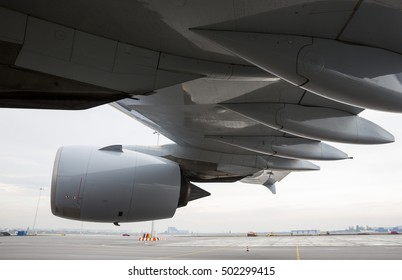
(112, 185)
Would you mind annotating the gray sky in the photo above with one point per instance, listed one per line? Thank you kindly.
(366, 190)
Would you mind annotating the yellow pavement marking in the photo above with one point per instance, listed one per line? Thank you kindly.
(297, 252)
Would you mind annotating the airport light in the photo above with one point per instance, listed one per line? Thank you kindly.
(37, 207)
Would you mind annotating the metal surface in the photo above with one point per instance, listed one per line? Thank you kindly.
(178, 66)
(113, 186)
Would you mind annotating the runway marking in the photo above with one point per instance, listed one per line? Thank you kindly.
(297, 252)
(187, 254)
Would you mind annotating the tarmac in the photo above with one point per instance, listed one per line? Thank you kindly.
(96, 247)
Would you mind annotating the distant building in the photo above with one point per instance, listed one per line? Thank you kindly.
(305, 232)
(173, 230)
(381, 229)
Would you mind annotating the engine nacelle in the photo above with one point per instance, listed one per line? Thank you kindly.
(112, 185)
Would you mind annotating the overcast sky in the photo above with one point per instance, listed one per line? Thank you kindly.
(364, 191)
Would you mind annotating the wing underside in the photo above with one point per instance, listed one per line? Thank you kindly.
(248, 91)
(216, 143)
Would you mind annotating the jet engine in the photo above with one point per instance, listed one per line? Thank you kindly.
(115, 185)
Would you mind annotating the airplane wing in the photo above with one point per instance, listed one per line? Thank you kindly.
(247, 90)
